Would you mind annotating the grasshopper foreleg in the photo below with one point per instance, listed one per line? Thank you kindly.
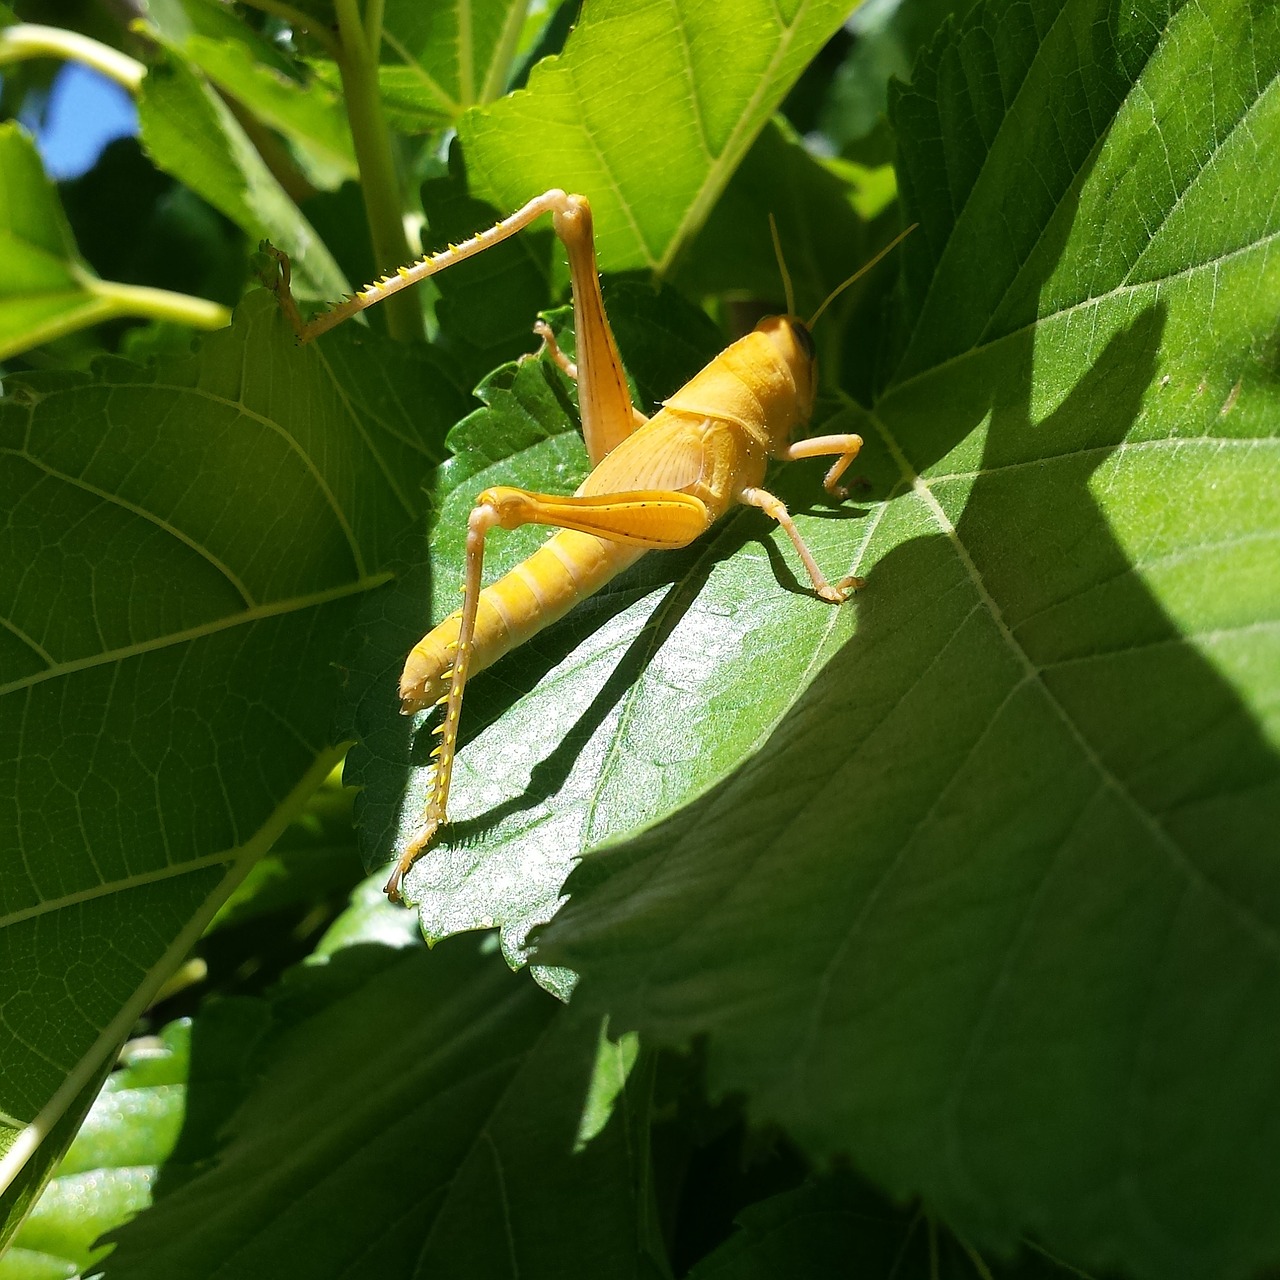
(847, 446)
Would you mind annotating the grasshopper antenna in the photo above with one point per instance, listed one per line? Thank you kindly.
(861, 271)
(782, 268)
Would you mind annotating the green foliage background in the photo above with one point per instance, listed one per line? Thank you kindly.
(967, 889)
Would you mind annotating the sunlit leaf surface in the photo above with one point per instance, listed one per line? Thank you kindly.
(108, 1173)
(647, 112)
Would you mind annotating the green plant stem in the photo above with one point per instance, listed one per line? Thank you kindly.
(28, 40)
(373, 27)
(359, 68)
(160, 304)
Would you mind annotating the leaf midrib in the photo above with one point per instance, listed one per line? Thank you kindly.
(718, 171)
(1255, 926)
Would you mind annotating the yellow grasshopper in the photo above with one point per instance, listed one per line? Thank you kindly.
(656, 483)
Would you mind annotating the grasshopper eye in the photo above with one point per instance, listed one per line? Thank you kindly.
(804, 338)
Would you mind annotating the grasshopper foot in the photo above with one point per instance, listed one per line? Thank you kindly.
(413, 851)
(841, 591)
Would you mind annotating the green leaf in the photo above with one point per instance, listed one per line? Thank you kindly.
(44, 287)
(175, 22)
(181, 551)
(820, 228)
(107, 1174)
(46, 290)
(461, 52)
(24, 1188)
(310, 117)
(410, 1111)
(837, 1225)
(190, 132)
(994, 909)
(439, 59)
(210, 38)
(648, 114)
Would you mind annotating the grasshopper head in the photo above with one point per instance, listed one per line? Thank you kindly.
(793, 342)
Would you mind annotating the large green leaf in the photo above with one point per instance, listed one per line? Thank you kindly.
(995, 908)
(650, 108)
(460, 51)
(409, 1113)
(181, 551)
(213, 39)
(439, 59)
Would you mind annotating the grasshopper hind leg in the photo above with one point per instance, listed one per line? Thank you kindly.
(644, 519)
(483, 517)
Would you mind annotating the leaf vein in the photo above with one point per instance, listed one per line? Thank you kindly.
(1102, 450)
(34, 645)
(1120, 291)
(276, 608)
(293, 444)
